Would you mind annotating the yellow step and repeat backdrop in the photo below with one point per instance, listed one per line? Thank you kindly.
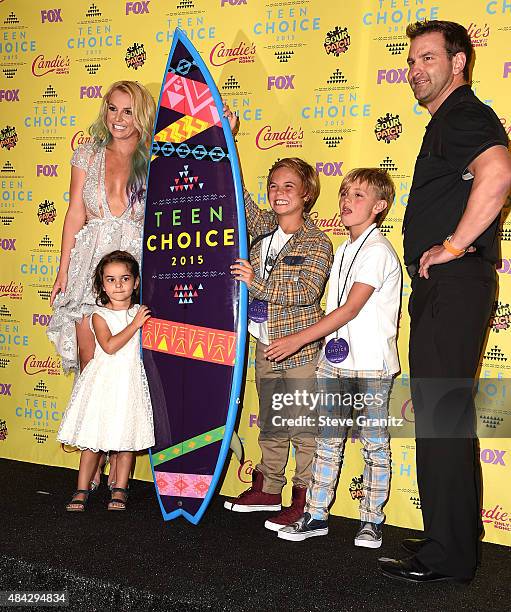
(318, 79)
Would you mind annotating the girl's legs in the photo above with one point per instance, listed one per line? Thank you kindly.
(86, 346)
(88, 465)
(123, 469)
(112, 460)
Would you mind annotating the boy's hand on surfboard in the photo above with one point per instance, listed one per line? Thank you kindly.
(233, 119)
(243, 271)
(143, 314)
(283, 347)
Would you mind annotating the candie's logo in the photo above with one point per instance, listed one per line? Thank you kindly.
(8, 137)
(329, 224)
(245, 471)
(267, 138)
(43, 65)
(337, 41)
(388, 128)
(498, 516)
(135, 56)
(479, 34)
(34, 365)
(12, 290)
(407, 411)
(221, 54)
(78, 139)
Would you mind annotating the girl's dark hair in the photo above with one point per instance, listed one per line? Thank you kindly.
(97, 280)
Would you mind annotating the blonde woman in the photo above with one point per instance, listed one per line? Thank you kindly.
(105, 213)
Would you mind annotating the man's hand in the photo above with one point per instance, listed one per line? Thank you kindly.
(437, 255)
(283, 347)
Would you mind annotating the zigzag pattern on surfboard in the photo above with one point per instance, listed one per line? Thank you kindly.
(191, 341)
(183, 129)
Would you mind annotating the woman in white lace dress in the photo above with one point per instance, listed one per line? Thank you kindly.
(105, 213)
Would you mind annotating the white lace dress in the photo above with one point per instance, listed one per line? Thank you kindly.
(110, 407)
(101, 234)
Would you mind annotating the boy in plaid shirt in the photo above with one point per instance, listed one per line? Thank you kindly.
(359, 358)
(290, 259)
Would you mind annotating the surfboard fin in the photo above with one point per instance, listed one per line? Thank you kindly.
(237, 447)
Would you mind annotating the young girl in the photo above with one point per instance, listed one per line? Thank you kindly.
(110, 407)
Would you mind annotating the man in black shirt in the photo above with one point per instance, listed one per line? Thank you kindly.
(461, 179)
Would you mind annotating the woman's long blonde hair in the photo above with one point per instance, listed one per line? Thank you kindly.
(144, 111)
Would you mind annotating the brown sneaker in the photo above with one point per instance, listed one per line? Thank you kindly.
(254, 499)
(289, 515)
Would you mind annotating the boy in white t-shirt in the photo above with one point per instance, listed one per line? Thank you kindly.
(358, 361)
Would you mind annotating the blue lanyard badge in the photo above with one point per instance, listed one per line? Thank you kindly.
(336, 350)
(258, 311)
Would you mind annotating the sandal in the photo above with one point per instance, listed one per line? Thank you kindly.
(117, 503)
(78, 505)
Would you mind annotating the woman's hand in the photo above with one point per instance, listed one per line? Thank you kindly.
(233, 119)
(59, 286)
(243, 271)
(143, 314)
(283, 347)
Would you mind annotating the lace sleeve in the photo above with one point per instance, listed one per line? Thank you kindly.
(81, 157)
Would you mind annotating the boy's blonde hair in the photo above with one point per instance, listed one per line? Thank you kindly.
(376, 178)
(307, 174)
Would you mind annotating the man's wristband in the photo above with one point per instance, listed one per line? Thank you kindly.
(452, 249)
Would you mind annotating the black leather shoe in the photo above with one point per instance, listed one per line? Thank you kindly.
(412, 570)
(413, 545)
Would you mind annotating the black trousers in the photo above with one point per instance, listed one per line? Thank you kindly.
(449, 315)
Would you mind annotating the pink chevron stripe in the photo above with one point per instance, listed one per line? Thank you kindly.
(183, 485)
(190, 97)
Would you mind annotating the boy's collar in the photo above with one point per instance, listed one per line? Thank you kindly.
(362, 235)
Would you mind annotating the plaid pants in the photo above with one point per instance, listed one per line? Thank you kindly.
(330, 443)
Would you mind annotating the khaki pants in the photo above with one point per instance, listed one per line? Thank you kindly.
(274, 440)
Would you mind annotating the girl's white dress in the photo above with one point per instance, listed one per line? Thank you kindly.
(110, 407)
